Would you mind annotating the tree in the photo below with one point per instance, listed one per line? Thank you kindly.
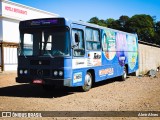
(119, 24)
(143, 25)
(157, 27)
(94, 20)
(123, 20)
(102, 23)
(111, 23)
(157, 33)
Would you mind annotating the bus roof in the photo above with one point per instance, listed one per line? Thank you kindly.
(68, 21)
(99, 27)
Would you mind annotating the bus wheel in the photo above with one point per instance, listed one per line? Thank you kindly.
(87, 83)
(124, 76)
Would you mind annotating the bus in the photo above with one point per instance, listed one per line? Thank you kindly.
(60, 52)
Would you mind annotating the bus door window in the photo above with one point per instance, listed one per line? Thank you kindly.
(78, 49)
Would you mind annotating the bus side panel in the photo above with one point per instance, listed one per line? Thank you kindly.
(120, 49)
(103, 68)
(133, 61)
(78, 77)
(106, 71)
(114, 55)
(79, 69)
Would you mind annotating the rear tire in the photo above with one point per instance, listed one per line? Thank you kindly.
(87, 82)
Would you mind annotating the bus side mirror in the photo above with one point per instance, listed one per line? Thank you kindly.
(76, 37)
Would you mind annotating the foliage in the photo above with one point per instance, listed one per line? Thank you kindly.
(157, 33)
(143, 25)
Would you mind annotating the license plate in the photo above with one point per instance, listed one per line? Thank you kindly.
(38, 81)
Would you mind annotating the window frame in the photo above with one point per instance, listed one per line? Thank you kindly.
(76, 29)
(92, 37)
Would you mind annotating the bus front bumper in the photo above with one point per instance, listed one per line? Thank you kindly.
(47, 81)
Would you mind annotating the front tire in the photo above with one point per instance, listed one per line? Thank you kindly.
(87, 82)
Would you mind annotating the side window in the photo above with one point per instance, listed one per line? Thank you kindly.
(78, 50)
(95, 35)
(104, 42)
(92, 39)
(89, 34)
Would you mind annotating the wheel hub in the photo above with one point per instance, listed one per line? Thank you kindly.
(88, 80)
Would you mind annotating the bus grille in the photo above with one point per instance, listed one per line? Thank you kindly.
(39, 62)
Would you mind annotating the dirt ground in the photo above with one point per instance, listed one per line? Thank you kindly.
(134, 94)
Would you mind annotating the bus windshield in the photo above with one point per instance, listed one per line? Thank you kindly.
(44, 42)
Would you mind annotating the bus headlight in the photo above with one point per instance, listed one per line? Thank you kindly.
(60, 73)
(55, 73)
(21, 71)
(25, 71)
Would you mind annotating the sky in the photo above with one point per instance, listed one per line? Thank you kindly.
(103, 9)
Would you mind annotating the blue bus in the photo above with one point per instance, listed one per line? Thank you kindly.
(60, 52)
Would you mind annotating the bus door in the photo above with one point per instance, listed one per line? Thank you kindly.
(79, 62)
